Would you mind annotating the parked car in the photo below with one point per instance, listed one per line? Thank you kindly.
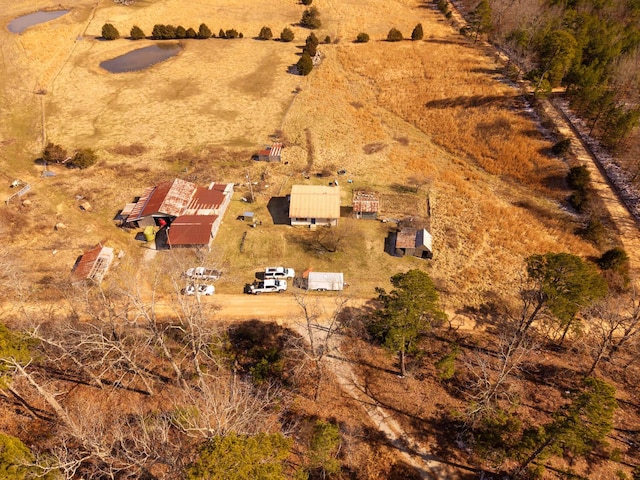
(279, 272)
(269, 285)
(199, 290)
(203, 273)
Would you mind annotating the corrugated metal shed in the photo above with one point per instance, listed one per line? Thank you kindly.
(191, 230)
(314, 201)
(424, 239)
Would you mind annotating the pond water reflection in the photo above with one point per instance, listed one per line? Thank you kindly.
(141, 58)
(20, 24)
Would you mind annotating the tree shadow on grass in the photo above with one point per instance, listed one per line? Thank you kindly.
(474, 101)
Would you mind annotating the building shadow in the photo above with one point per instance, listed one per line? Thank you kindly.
(278, 208)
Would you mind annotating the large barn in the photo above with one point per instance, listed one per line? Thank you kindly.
(190, 214)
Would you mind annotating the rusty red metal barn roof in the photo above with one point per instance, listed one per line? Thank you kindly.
(93, 263)
(365, 202)
(191, 230)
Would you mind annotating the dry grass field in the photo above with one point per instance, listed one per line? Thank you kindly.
(384, 112)
(427, 121)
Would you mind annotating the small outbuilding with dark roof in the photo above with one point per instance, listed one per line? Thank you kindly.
(417, 243)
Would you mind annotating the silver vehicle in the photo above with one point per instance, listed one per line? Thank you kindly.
(269, 285)
(203, 273)
(199, 290)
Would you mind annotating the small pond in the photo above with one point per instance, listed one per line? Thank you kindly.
(141, 58)
(20, 24)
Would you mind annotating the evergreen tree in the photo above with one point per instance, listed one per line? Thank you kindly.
(311, 18)
(407, 313)
(191, 33)
(305, 64)
(287, 35)
(231, 33)
(181, 32)
(54, 153)
(136, 33)
(109, 32)
(565, 283)
(265, 34)
(221, 34)
(417, 33)
(579, 427)
(324, 448)
(394, 35)
(84, 158)
(14, 458)
(481, 19)
(578, 177)
(242, 457)
(204, 32)
(362, 37)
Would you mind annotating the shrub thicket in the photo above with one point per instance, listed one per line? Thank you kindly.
(109, 32)
(84, 158)
(54, 153)
(231, 33)
(394, 35)
(306, 2)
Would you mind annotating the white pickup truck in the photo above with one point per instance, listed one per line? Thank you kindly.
(269, 285)
(202, 273)
(279, 272)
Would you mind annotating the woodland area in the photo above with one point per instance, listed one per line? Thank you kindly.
(122, 387)
(588, 48)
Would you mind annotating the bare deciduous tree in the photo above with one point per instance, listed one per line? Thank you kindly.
(318, 338)
(491, 375)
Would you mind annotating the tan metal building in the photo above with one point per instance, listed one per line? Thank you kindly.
(314, 205)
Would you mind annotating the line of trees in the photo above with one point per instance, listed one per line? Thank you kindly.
(169, 32)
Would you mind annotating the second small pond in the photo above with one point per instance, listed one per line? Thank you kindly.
(141, 58)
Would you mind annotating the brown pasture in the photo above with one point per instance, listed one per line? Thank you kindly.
(387, 113)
